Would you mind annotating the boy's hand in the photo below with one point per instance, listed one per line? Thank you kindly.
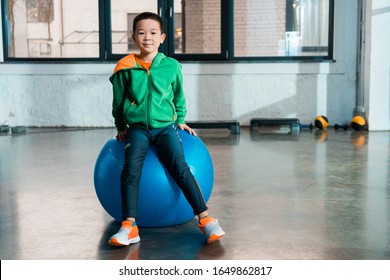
(187, 128)
(121, 136)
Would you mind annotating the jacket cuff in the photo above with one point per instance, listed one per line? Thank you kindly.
(180, 121)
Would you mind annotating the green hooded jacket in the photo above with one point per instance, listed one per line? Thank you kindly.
(151, 98)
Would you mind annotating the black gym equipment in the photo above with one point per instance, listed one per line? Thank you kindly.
(233, 126)
(343, 126)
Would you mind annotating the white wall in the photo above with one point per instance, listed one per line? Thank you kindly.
(1, 39)
(80, 94)
(378, 60)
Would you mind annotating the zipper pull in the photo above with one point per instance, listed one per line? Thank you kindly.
(148, 72)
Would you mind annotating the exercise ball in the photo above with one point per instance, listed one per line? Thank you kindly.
(321, 122)
(160, 201)
(358, 123)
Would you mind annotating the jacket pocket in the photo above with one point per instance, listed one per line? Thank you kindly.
(172, 110)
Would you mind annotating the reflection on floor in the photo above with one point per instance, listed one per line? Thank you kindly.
(278, 195)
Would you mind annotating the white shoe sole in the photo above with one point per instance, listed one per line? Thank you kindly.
(124, 242)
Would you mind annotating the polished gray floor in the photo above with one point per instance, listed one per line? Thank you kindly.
(278, 195)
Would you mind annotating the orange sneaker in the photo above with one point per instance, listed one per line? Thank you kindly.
(211, 229)
(127, 234)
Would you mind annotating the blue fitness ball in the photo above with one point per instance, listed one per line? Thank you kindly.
(160, 201)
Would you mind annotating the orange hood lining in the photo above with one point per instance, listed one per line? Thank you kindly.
(125, 63)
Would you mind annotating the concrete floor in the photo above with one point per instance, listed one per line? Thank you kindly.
(278, 195)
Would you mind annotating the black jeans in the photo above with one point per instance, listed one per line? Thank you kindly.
(170, 152)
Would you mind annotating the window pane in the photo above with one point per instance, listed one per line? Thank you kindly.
(197, 26)
(52, 28)
(281, 28)
(123, 13)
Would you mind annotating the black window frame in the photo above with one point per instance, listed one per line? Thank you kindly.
(164, 7)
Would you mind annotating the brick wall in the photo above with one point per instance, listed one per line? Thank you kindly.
(259, 26)
(203, 28)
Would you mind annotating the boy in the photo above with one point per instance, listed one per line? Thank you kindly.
(148, 107)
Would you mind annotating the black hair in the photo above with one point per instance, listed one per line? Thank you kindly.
(148, 15)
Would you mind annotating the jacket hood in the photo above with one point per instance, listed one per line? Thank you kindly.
(129, 62)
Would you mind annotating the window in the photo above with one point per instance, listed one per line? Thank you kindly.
(280, 28)
(208, 30)
(40, 11)
(193, 27)
(51, 29)
(198, 27)
(122, 14)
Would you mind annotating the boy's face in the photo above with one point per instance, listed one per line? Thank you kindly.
(148, 36)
